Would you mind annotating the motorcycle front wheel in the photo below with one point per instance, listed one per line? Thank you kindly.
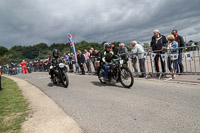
(126, 77)
(65, 79)
(101, 75)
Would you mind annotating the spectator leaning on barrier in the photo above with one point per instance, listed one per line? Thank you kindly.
(134, 63)
(158, 41)
(92, 56)
(172, 48)
(139, 51)
(180, 41)
(124, 52)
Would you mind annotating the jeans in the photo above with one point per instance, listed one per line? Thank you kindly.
(180, 63)
(105, 68)
(82, 68)
(169, 64)
(134, 61)
(156, 60)
(87, 62)
(142, 66)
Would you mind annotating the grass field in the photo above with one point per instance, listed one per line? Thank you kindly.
(13, 107)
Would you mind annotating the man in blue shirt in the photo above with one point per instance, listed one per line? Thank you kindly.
(66, 58)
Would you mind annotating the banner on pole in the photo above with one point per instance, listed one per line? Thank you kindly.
(73, 47)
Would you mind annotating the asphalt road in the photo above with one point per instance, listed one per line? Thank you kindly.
(149, 106)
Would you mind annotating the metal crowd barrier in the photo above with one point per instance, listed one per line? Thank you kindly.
(190, 61)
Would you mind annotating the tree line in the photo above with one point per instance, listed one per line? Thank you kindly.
(42, 51)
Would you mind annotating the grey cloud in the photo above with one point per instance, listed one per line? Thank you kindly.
(34, 21)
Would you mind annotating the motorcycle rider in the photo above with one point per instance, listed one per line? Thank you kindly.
(107, 57)
(54, 60)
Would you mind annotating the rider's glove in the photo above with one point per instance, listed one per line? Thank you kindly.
(51, 67)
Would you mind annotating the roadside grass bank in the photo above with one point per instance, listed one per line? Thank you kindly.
(13, 107)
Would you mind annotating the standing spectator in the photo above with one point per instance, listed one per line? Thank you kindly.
(81, 60)
(97, 60)
(92, 57)
(139, 51)
(97, 55)
(87, 61)
(37, 65)
(30, 65)
(34, 66)
(134, 62)
(71, 62)
(66, 58)
(46, 64)
(123, 52)
(180, 41)
(172, 47)
(157, 43)
(74, 62)
(41, 66)
(114, 49)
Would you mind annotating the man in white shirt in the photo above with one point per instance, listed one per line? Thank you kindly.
(138, 50)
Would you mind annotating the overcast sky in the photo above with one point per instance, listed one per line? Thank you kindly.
(28, 22)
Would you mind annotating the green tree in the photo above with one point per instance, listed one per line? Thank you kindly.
(59, 46)
(4, 60)
(3, 51)
(146, 45)
(41, 46)
(16, 52)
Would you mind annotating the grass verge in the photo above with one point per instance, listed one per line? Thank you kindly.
(13, 107)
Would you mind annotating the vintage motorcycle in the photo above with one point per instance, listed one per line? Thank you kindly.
(118, 72)
(60, 74)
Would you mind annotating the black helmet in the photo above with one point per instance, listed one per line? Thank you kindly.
(55, 51)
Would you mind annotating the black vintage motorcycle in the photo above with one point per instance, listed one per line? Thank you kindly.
(118, 72)
(12, 71)
(60, 74)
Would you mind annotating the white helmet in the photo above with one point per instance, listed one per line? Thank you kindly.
(107, 45)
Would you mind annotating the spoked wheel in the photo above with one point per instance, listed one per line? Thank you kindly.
(101, 75)
(126, 77)
(65, 80)
(54, 79)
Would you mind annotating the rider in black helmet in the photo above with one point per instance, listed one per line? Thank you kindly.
(53, 60)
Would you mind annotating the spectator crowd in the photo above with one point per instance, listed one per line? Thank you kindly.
(87, 61)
